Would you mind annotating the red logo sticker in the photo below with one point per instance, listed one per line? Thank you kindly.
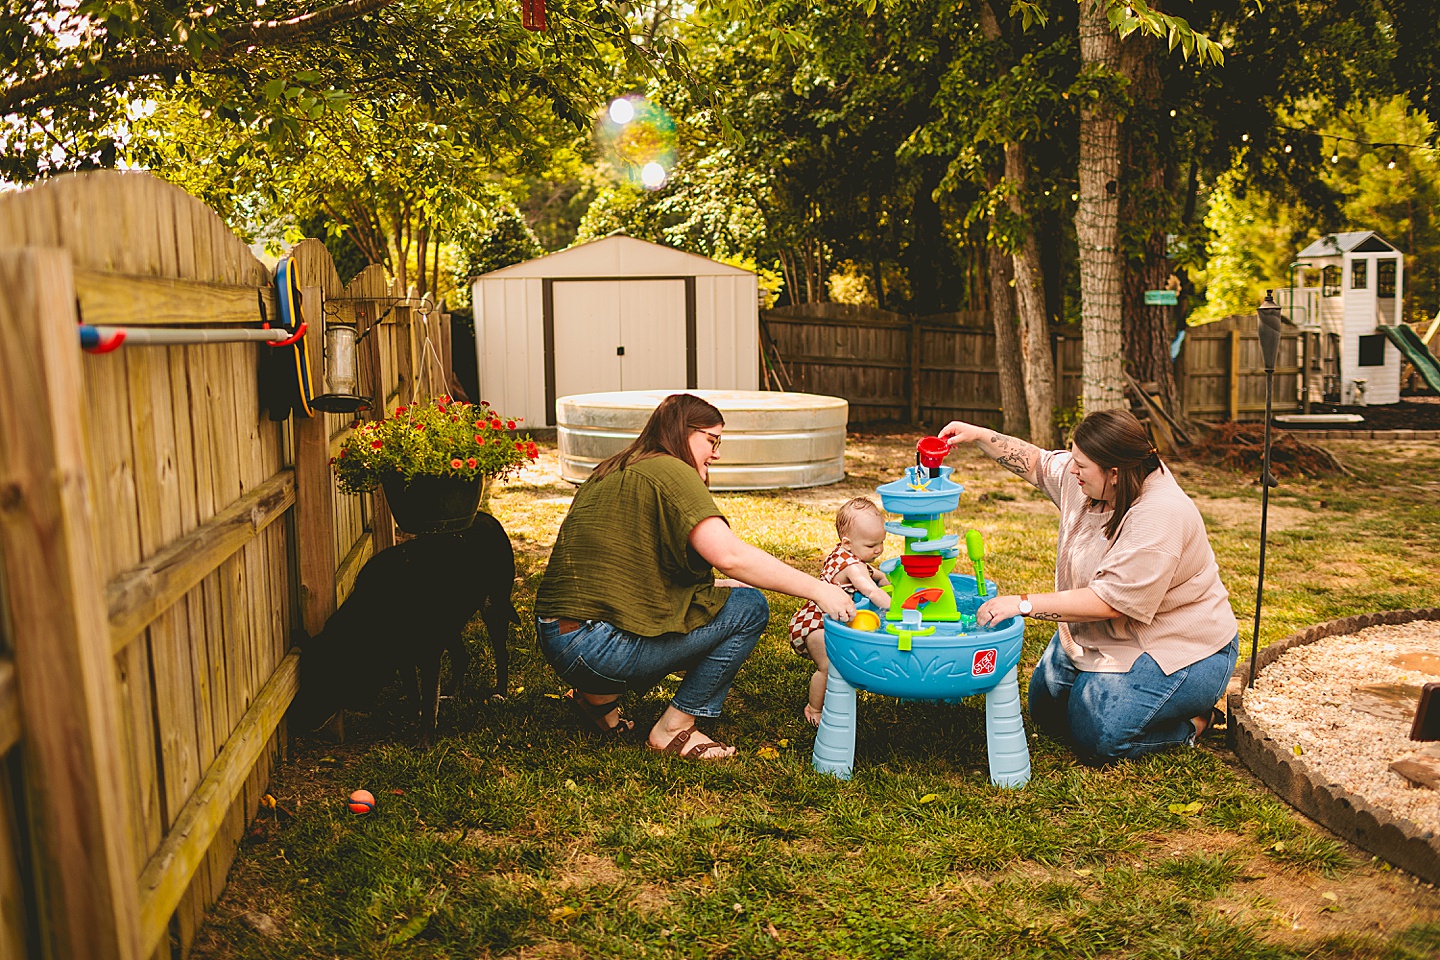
(984, 663)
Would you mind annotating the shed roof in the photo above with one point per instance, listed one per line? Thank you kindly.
(1335, 244)
(618, 255)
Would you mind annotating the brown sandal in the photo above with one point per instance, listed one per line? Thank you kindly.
(591, 716)
(695, 752)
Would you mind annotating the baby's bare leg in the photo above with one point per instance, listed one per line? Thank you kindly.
(815, 645)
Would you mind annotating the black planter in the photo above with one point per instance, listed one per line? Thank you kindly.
(431, 504)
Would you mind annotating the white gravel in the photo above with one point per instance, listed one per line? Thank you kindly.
(1321, 698)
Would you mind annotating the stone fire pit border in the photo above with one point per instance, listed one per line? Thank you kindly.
(1394, 839)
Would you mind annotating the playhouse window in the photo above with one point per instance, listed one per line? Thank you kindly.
(1372, 350)
(1359, 274)
(1385, 278)
(1330, 281)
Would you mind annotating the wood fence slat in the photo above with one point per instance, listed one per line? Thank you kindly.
(9, 707)
(62, 654)
(140, 594)
(166, 876)
(119, 300)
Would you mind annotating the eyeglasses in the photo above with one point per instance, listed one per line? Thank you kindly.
(714, 439)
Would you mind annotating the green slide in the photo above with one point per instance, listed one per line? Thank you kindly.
(1416, 352)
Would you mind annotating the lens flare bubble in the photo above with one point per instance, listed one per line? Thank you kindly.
(622, 111)
(637, 138)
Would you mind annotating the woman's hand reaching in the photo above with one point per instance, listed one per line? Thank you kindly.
(958, 431)
(834, 602)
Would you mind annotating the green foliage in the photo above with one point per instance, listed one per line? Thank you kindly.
(440, 437)
(490, 237)
(1256, 233)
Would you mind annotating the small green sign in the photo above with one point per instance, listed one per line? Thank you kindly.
(1162, 298)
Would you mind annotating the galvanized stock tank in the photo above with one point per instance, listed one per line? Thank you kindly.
(772, 440)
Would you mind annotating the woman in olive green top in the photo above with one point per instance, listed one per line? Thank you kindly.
(629, 595)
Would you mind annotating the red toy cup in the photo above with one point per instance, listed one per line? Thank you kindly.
(921, 565)
(932, 451)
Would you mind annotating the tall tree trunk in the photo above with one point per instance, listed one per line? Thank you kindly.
(1097, 218)
(422, 251)
(1001, 271)
(1036, 356)
(1148, 202)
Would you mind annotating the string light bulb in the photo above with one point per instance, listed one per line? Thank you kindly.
(1287, 148)
(1391, 164)
(1335, 157)
(1244, 138)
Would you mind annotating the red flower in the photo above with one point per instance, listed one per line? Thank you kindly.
(479, 439)
(445, 399)
(456, 463)
(454, 419)
(510, 424)
(342, 453)
(472, 463)
(534, 451)
(399, 410)
(332, 461)
(480, 424)
(377, 444)
(420, 426)
(519, 446)
(495, 423)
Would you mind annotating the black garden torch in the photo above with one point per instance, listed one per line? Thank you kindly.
(1269, 312)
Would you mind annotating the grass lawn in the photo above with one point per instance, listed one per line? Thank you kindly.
(516, 835)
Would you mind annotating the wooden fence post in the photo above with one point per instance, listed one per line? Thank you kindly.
(79, 793)
(1234, 375)
(314, 492)
(914, 372)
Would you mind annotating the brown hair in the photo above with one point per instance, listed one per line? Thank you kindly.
(845, 516)
(666, 432)
(1114, 438)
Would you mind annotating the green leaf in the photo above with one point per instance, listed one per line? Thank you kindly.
(412, 929)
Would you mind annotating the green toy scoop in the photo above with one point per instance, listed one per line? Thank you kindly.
(975, 547)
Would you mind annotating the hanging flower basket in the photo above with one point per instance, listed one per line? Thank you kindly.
(433, 504)
(433, 460)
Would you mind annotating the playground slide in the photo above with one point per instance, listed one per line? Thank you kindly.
(1416, 352)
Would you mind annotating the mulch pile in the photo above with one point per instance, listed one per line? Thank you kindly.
(1241, 446)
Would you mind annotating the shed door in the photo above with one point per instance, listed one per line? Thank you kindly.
(619, 335)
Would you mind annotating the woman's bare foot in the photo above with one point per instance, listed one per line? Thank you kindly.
(697, 746)
(812, 715)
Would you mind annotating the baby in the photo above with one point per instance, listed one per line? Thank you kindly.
(861, 526)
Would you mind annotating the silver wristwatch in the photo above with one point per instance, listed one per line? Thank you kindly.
(1025, 605)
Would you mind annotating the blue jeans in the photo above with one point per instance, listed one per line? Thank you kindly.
(601, 658)
(1115, 716)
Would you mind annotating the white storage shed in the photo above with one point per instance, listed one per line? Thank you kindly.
(1353, 286)
(614, 314)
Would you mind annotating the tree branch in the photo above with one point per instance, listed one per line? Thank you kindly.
(31, 93)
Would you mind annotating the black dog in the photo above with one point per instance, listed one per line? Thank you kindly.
(410, 604)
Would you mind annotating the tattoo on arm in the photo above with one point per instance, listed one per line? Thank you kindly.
(1042, 615)
(1014, 455)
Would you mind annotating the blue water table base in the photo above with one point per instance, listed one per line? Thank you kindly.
(953, 662)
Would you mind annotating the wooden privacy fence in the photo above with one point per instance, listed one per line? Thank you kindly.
(1222, 372)
(933, 370)
(159, 536)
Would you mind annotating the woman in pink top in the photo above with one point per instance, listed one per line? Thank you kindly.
(1147, 640)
